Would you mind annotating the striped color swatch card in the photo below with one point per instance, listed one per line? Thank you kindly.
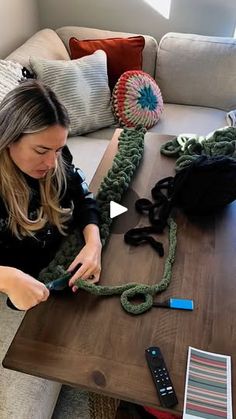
(208, 386)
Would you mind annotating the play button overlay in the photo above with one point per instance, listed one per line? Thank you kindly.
(127, 218)
(116, 209)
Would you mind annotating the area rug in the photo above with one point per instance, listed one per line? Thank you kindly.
(74, 403)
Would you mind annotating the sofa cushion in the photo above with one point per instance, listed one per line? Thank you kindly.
(82, 86)
(178, 119)
(22, 396)
(130, 49)
(197, 70)
(88, 151)
(45, 44)
(149, 51)
(137, 99)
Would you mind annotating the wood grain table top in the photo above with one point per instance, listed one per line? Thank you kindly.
(91, 342)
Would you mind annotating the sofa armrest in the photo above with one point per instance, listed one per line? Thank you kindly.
(149, 51)
(44, 44)
(197, 70)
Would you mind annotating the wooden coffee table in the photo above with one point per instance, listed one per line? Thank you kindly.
(92, 343)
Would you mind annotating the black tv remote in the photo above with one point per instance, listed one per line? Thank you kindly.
(161, 377)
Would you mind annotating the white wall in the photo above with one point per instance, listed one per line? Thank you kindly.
(19, 19)
(207, 17)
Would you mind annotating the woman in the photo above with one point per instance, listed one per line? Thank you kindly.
(42, 195)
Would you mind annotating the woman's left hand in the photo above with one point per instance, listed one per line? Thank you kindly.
(90, 258)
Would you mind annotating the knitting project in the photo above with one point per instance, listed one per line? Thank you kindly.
(130, 151)
(10, 76)
(137, 99)
(188, 147)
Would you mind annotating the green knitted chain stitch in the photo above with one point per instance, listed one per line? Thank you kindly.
(189, 147)
(130, 290)
(130, 151)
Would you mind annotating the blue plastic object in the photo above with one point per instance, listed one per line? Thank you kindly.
(176, 303)
(181, 304)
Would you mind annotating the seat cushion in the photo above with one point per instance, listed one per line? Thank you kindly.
(22, 396)
(178, 119)
(87, 153)
(88, 150)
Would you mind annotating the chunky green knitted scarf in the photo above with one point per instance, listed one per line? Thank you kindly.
(188, 147)
(116, 182)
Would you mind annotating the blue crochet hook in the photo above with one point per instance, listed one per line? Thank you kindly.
(61, 283)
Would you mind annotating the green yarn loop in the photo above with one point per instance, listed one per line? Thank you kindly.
(126, 161)
(130, 290)
(188, 147)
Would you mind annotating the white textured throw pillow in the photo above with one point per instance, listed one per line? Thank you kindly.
(82, 86)
(10, 76)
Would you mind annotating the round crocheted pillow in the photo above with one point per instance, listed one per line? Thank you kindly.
(137, 99)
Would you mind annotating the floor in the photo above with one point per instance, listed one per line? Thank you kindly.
(132, 411)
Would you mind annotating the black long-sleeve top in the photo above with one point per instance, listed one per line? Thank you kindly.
(31, 254)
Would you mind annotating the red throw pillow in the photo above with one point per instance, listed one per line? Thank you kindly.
(122, 53)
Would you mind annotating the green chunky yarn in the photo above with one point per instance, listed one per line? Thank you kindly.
(189, 147)
(130, 290)
(130, 151)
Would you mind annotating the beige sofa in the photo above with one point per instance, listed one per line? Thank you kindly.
(197, 77)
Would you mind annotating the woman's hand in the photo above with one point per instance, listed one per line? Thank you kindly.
(89, 257)
(23, 290)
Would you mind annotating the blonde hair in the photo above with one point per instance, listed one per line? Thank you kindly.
(31, 107)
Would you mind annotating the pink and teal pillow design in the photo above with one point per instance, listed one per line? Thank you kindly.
(137, 99)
